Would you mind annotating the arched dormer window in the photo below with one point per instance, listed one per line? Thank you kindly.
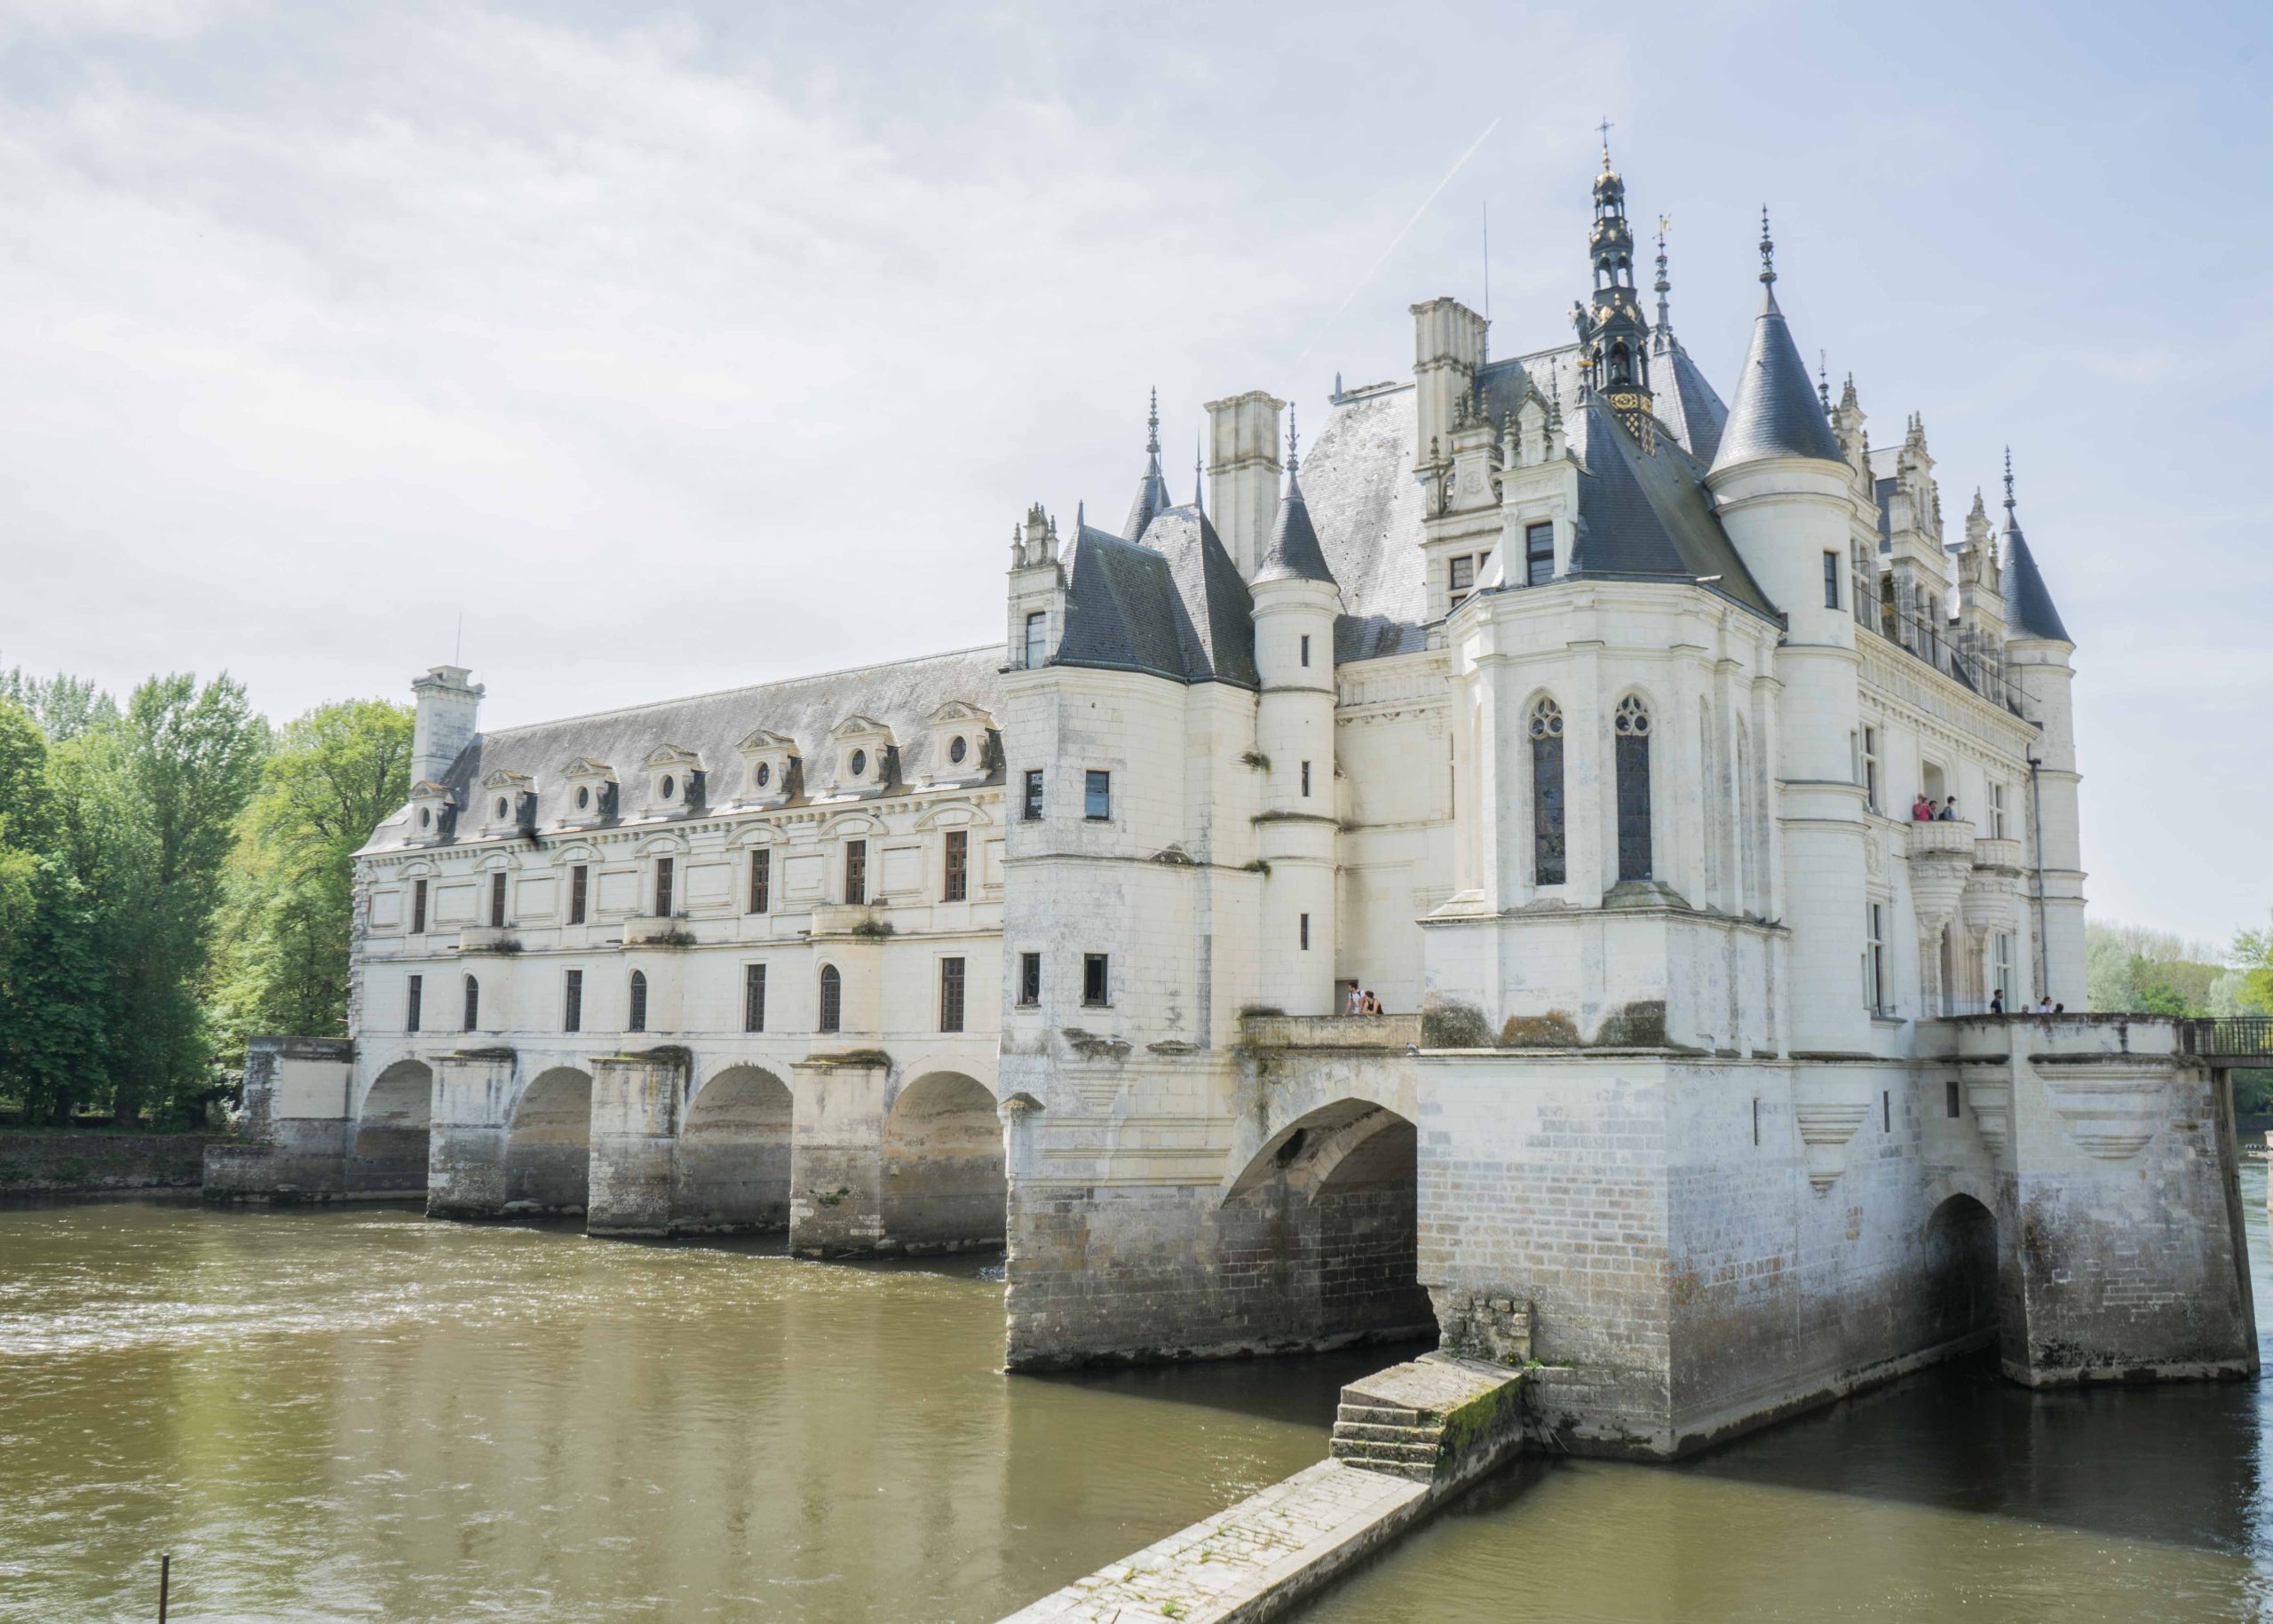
(637, 1020)
(1631, 729)
(1547, 848)
(832, 1000)
(473, 1004)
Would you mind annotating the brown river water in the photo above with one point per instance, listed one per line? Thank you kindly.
(360, 1414)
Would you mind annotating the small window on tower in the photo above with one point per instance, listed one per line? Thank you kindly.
(1096, 805)
(1037, 640)
(1463, 577)
(1030, 807)
(1029, 980)
(1306, 648)
(1096, 981)
(1831, 581)
(1539, 554)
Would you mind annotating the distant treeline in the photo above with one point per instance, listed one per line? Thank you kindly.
(176, 874)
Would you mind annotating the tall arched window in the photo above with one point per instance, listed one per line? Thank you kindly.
(832, 999)
(636, 1021)
(473, 1004)
(1632, 728)
(1547, 865)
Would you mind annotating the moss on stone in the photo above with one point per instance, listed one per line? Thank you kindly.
(1553, 1030)
(1449, 1024)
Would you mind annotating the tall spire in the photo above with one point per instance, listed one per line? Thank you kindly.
(1294, 444)
(1777, 411)
(1293, 553)
(1663, 286)
(1152, 491)
(2028, 611)
(1613, 335)
(1767, 250)
(1199, 479)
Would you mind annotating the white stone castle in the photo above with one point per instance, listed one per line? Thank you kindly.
(1577, 717)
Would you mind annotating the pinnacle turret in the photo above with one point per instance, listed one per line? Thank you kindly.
(1776, 412)
(2029, 609)
(1152, 498)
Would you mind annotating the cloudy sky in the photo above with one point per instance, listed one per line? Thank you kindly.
(678, 348)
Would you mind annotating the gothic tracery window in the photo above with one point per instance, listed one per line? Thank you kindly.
(1547, 793)
(1631, 729)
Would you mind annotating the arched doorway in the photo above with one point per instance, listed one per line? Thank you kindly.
(732, 1174)
(943, 1188)
(548, 1145)
(389, 1153)
(1319, 1233)
(1960, 1295)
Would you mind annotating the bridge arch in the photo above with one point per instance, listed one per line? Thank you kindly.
(944, 1185)
(391, 1130)
(732, 1174)
(548, 1144)
(1318, 1232)
(1960, 1296)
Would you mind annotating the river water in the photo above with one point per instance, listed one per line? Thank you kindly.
(360, 1414)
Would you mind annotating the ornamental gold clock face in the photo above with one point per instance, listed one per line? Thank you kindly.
(1625, 403)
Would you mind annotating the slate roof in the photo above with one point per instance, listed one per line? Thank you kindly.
(1172, 605)
(1293, 553)
(1777, 412)
(1150, 500)
(2029, 611)
(900, 694)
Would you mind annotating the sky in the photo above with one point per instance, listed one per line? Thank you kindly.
(671, 349)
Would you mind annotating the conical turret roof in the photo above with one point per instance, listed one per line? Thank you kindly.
(1294, 553)
(1777, 412)
(2028, 611)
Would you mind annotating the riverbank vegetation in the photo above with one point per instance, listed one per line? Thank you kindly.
(2128, 967)
(175, 875)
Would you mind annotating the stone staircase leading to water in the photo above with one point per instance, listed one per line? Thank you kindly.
(1401, 1421)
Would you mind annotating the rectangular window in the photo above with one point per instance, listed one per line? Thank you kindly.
(1886, 1111)
(856, 871)
(497, 898)
(1032, 811)
(1871, 768)
(2001, 967)
(1306, 778)
(1996, 811)
(1029, 980)
(958, 865)
(1096, 982)
(663, 887)
(410, 1008)
(1874, 960)
(580, 883)
(753, 998)
(1949, 1098)
(761, 880)
(1306, 648)
(1461, 576)
(1831, 581)
(473, 1004)
(951, 994)
(417, 906)
(1547, 795)
(636, 1021)
(1305, 932)
(571, 1002)
(1539, 554)
(1097, 796)
(1037, 640)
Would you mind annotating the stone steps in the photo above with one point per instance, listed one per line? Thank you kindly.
(1370, 1432)
(1376, 1415)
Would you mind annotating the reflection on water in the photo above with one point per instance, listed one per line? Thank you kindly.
(363, 1415)
(1950, 1495)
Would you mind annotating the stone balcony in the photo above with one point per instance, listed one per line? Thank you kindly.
(658, 930)
(1943, 841)
(1394, 1032)
(859, 919)
(488, 938)
(1998, 854)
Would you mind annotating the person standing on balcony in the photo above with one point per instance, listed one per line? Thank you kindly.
(1921, 809)
(1997, 1002)
(1949, 810)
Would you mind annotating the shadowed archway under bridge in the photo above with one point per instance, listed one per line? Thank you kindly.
(548, 1145)
(1961, 1295)
(944, 1188)
(388, 1154)
(732, 1173)
(1318, 1235)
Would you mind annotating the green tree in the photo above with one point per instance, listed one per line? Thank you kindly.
(290, 919)
(2251, 955)
(51, 978)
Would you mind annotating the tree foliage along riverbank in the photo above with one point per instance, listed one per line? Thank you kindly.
(175, 875)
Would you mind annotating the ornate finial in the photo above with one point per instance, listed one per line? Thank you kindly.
(2008, 481)
(1199, 480)
(1152, 423)
(1767, 249)
(1823, 378)
(1292, 461)
(1081, 517)
(1603, 130)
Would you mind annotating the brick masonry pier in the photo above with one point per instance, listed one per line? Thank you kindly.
(1405, 1441)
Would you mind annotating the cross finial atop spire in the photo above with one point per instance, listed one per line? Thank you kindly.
(1292, 459)
(1602, 130)
(2008, 480)
(1767, 249)
(1823, 378)
(1152, 422)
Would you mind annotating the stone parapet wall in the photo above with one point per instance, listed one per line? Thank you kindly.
(35, 1162)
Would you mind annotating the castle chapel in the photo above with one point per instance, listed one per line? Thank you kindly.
(1574, 708)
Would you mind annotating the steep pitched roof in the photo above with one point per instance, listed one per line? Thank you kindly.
(1777, 412)
(1686, 403)
(1173, 605)
(1643, 513)
(2029, 611)
(1293, 553)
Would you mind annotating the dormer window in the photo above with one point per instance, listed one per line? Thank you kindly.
(508, 799)
(769, 768)
(861, 749)
(591, 791)
(504, 809)
(674, 781)
(584, 797)
(957, 749)
(763, 775)
(857, 763)
(433, 812)
(670, 786)
(960, 735)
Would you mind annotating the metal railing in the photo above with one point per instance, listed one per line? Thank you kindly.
(1939, 644)
(2243, 1037)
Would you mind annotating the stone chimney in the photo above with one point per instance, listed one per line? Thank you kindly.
(1243, 474)
(447, 707)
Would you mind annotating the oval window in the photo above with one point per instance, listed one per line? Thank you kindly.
(425, 817)
(501, 808)
(669, 784)
(958, 749)
(583, 797)
(764, 774)
(860, 763)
